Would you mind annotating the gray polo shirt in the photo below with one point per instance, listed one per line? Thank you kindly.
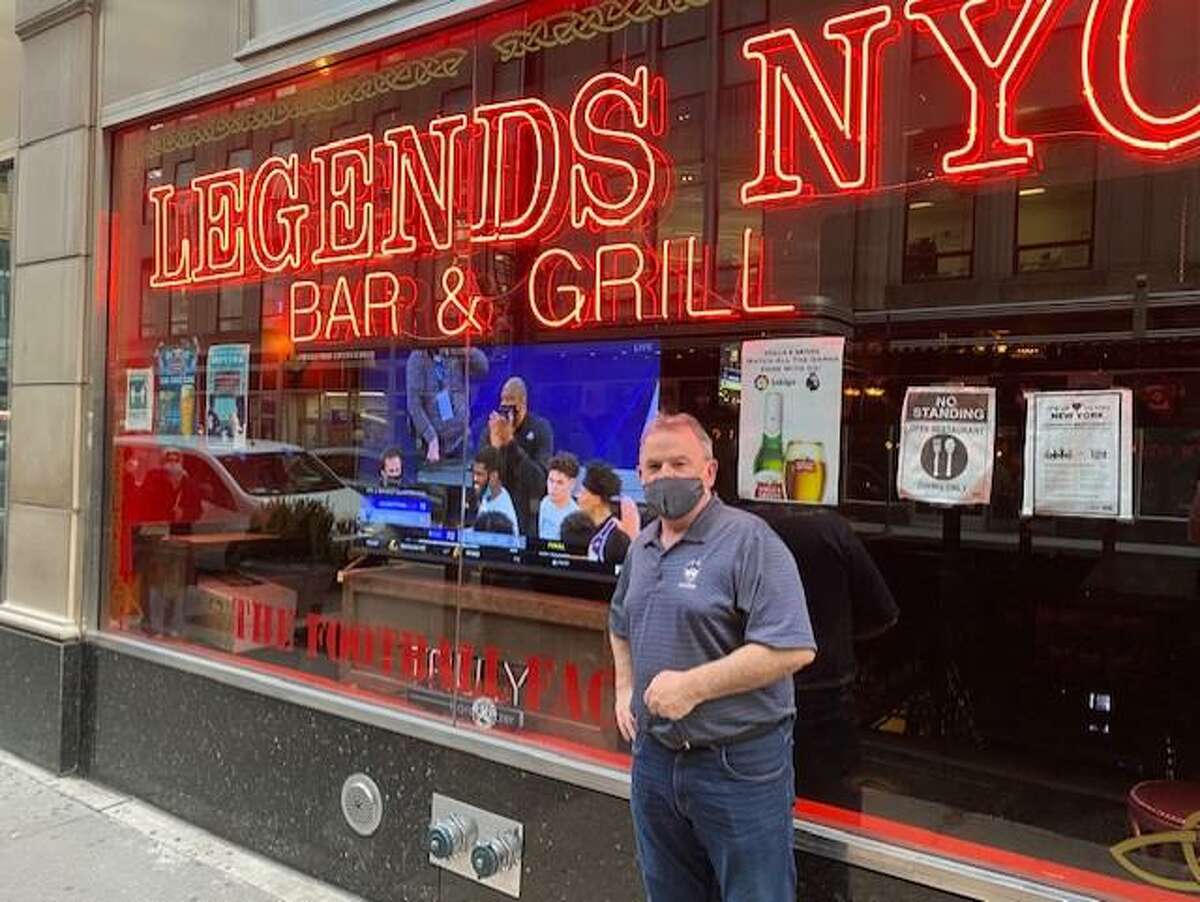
(728, 582)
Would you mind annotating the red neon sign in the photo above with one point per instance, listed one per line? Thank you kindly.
(274, 234)
(1108, 36)
(346, 207)
(608, 96)
(991, 79)
(791, 85)
(520, 173)
(424, 191)
(510, 128)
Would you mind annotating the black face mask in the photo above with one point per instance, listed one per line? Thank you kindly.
(674, 497)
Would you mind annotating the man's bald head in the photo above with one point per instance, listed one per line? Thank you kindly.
(677, 445)
(686, 422)
(514, 391)
(515, 395)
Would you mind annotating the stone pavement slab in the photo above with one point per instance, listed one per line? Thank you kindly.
(63, 839)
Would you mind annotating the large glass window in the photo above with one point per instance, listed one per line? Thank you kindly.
(376, 424)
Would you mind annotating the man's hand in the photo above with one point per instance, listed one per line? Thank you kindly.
(671, 694)
(500, 430)
(434, 452)
(626, 722)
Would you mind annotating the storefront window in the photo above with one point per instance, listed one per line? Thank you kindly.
(384, 337)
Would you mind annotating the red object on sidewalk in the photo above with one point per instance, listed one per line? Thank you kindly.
(1159, 806)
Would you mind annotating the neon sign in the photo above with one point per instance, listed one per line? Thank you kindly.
(518, 174)
(1107, 36)
(991, 80)
(790, 82)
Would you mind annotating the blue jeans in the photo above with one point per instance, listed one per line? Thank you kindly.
(715, 825)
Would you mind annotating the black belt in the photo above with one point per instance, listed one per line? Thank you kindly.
(711, 745)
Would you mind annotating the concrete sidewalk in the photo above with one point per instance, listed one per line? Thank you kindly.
(63, 839)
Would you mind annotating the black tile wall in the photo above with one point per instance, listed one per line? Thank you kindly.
(40, 695)
(267, 774)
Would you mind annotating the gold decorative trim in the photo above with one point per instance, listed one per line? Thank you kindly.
(405, 76)
(1188, 839)
(591, 22)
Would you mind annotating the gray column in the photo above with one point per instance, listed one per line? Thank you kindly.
(53, 233)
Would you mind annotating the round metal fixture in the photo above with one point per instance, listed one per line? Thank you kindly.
(362, 804)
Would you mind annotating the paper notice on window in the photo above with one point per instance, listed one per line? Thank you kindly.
(228, 388)
(790, 424)
(139, 400)
(1079, 454)
(947, 445)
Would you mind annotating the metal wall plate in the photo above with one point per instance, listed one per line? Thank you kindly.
(362, 804)
(488, 825)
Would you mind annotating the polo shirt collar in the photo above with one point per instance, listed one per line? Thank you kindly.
(700, 529)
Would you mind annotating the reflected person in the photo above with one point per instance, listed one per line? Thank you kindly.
(435, 385)
(175, 499)
(848, 599)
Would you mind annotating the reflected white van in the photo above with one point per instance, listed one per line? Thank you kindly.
(234, 482)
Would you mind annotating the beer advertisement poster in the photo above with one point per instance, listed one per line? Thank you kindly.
(790, 441)
(1079, 454)
(139, 399)
(175, 374)
(947, 445)
(228, 387)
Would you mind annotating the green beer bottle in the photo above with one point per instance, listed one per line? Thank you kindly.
(768, 463)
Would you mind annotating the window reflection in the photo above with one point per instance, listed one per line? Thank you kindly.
(939, 229)
(1055, 212)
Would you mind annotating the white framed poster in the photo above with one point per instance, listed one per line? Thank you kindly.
(947, 445)
(139, 399)
(1079, 454)
(790, 443)
(228, 387)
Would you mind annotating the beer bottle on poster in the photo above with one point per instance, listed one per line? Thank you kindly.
(768, 463)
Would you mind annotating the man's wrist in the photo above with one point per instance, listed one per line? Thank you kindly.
(695, 685)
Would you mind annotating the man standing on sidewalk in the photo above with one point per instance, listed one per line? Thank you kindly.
(708, 624)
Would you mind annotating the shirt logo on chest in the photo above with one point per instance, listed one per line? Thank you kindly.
(691, 573)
